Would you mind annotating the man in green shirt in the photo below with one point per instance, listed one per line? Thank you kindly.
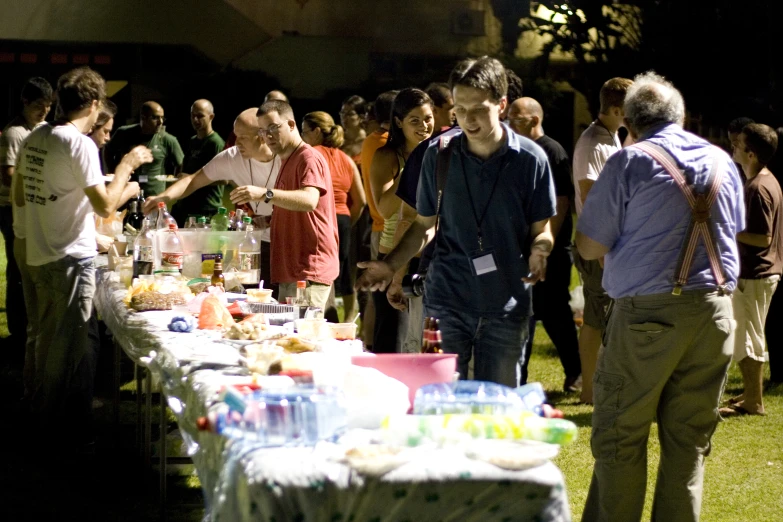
(150, 132)
(201, 148)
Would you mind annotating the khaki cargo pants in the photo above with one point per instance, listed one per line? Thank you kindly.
(664, 358)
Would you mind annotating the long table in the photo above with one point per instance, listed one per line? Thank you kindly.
(242, 481)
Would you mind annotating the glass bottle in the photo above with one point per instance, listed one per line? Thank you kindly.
(249, 255)
(144, 250)
(300, 301)
(218, 279)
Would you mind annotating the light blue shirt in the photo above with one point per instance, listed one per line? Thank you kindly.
(636, 209)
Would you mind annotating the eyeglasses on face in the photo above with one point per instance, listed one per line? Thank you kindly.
(273, 130)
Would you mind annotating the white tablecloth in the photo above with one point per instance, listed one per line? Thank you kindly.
(245, 482)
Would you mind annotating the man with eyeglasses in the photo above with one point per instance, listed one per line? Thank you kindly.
(150, 132)
(304, 222)
(248, 164)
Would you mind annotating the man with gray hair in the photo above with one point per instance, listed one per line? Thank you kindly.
(665, 213)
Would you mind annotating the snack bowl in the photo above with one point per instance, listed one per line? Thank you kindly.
(342, 331)
(259, 295)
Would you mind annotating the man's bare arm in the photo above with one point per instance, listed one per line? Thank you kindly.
(304, 199)
(181, 188)
(105, 199)
(420, 233)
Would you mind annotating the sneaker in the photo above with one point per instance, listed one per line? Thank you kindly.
(572, 385)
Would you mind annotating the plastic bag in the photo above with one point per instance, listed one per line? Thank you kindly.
(370, 396)
(110, 226)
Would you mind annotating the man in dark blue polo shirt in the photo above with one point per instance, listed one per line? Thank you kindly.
(493, 237)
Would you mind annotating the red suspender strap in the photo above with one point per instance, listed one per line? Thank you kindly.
(701, 224)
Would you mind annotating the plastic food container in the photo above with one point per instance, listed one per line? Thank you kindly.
(259, 295)
(412, 369)
(467, 397)
(313, 328)
(342, 331)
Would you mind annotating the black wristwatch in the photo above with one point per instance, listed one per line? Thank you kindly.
(269, 195)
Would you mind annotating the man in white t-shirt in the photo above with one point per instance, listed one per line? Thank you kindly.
(36, 102)
(250, 165)
(62, 189)
(595, 145)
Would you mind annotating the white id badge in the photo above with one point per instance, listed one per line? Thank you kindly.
(483, 262)
(143, 178)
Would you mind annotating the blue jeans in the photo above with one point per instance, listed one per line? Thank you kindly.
(496, 343)
(65, 356)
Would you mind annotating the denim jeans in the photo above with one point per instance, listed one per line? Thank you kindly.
(65, 290)
(495, 343)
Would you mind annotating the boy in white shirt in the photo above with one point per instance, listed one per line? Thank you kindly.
(61, 188)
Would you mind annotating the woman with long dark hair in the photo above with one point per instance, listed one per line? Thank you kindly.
(321, 132)
(411, 123)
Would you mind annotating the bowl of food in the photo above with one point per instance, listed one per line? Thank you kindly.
(342, 331)
(412, 369)
(259, 295)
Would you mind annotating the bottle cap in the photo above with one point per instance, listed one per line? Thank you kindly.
(172, 226)
(222, 210)
(232, 213)
(246, 219)
(161, 204)
(301, 284)
(202, 219)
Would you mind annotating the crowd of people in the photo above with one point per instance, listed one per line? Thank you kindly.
(678, 244)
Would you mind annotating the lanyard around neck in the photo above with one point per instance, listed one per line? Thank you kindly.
(480, 219)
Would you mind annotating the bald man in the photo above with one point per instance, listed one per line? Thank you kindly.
(276, 95)
(249, 165)
(200, 149)
(150, 132)
(550, 297)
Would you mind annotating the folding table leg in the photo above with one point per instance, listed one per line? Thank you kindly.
(148, 419)
(117, 383)
(139, 432)
(162, 456)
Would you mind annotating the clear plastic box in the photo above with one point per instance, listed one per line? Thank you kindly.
(467, 397)
(301, 415)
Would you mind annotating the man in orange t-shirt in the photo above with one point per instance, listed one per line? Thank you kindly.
(304, 220)
(374, 141)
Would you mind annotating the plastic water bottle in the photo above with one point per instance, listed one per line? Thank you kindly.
(191, 223)
(164, 218)
(467, 397)
(220, 220)
(201, 222)
(249, 265)
(144, 250)
(241, 225)
(171, 251)
(299, 415)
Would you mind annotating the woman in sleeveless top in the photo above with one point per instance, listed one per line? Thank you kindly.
(320, 132)
(412, 122)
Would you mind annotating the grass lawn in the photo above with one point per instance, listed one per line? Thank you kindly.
(744, 477)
